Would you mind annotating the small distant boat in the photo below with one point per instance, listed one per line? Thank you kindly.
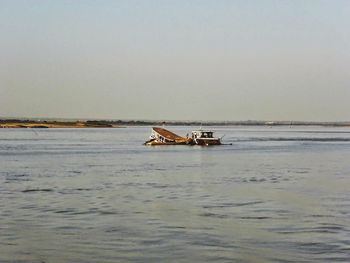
(161, 136)
(205, 138)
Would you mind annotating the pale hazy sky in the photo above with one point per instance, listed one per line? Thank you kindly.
(192, 60)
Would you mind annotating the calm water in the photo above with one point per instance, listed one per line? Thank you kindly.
(99, 195)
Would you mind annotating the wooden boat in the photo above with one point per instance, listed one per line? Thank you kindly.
(205, 138)
(161, 136)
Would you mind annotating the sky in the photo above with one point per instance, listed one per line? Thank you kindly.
(175, 60)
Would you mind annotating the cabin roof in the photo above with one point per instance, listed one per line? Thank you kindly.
(203, 131)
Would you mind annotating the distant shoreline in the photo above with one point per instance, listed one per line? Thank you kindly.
(36, 123)
(55, 124)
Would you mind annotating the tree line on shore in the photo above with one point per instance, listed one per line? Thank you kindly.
(116, 123)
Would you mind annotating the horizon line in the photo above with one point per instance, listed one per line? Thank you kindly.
(167, 120)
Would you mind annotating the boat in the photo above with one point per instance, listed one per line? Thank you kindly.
(205, 138)
(161, 136)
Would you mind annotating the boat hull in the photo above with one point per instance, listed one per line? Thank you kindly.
(154, 142)
(207, 142)
(164, 143)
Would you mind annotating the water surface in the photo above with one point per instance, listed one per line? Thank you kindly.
(276, 194)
